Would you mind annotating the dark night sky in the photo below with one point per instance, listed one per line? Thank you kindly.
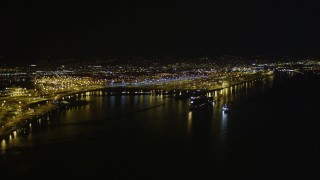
(274, 27)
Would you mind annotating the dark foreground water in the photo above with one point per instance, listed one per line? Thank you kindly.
(270, 132)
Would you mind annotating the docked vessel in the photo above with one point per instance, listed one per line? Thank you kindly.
(199, 102)
(225, 108)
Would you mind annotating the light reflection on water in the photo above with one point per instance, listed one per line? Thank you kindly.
(109, 111)
(189, 121)
(3, 146)
(223, 134)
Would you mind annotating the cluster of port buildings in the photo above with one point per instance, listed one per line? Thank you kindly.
(201, 73)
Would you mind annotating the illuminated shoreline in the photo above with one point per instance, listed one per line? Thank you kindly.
(51, 106)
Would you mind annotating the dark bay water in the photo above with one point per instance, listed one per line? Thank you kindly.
(155, 137)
